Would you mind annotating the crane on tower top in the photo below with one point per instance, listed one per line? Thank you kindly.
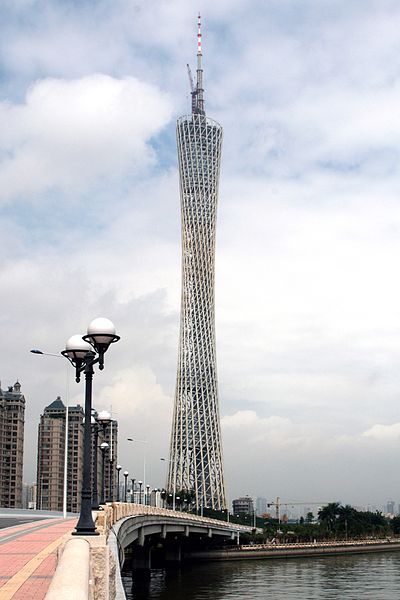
(193, 90)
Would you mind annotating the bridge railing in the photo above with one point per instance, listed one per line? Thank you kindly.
(115, 511)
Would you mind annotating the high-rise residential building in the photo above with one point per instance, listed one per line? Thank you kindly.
(12, 418)
(195, 462)
(261, 506)
(243, 506)
(51, 457)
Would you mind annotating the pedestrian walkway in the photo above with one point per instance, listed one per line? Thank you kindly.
(28, 555)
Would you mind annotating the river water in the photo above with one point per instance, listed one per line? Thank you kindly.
(369, 576)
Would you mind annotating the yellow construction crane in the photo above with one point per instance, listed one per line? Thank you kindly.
(278, 503)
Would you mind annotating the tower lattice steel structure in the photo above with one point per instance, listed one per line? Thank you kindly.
(195, 462)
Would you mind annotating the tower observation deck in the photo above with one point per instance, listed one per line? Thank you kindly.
(195, 463)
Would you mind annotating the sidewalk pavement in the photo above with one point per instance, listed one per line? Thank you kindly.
(28, 555)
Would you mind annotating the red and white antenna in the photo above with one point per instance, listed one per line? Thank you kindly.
(199, 86)
(199, 50)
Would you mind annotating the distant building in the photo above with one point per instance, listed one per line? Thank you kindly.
(12, 418)
(261, 506)
(29, 494)
(243, 505)
(51, 456)
(390, 507)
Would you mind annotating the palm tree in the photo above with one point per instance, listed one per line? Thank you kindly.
(328, 515)
(347, 516)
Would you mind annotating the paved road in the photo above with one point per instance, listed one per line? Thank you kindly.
(13, 521)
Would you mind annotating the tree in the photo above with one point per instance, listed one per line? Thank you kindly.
(309, 517)
(395, 525)
(328, 516)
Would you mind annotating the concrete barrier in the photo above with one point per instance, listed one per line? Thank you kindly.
(72, 577)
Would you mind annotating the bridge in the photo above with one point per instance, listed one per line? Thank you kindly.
(88, 567)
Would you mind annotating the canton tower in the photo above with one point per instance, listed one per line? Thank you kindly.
(195, 463)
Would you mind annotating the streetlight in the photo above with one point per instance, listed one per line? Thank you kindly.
(118, 472)
(104, 419)
(79, 351)
(144, 454)
(133, 489)
(174, 480)
(95, 486)
(103, 447)
(147, 499)
(126, 473)
(140, 491)
(36, 351)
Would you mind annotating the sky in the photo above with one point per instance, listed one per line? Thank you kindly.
(308, 234)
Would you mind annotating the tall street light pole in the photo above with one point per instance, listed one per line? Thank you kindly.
(140, 491)
(133, 489)
(84, 352)
(126, 473)
(104, 420)
(36, 351)
(95, 485)
(103, 447)
(145, 442)
(174, 488)
(147, 499)
(118, 472)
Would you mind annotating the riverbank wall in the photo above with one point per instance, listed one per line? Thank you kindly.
(271, 551)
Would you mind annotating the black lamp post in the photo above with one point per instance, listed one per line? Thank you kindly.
(84, 352)
(111, 483)
(126, 473)
(118, 472)
(147, 502)
(95, 490)
(104, 420)
(103, 447)
(133, 489)
(140, 491)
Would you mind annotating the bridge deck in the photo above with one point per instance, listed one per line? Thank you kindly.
(28, 557)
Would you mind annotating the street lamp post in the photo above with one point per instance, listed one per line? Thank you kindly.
(140, 491)
(103, 447)
(111, 483)
(118, 472)
(36, 351)
(174, 486)
(133, 489)
(147, 495)
(144, 454)
(95, 485)
(79, 351)
(104, 420)
(126, 473)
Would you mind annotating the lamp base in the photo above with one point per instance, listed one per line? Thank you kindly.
(85, 532)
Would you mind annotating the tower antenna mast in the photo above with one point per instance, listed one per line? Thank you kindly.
(199, 87)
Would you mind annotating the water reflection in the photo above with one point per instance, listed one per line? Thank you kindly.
(370, 577)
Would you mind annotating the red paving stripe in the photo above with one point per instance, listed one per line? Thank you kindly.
(16, 553)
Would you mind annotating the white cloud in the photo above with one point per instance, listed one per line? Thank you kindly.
(71, 133)
(384, 433)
